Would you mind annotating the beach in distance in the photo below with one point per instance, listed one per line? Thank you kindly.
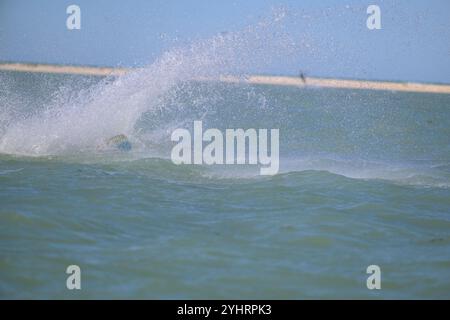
(299, 81)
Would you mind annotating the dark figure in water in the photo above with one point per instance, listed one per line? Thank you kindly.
(302, 76)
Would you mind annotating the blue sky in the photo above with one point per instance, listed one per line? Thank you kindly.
(413, 45)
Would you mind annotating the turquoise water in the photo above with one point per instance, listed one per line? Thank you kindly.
(364, 179)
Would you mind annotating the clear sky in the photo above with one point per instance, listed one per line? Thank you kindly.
(413, 44)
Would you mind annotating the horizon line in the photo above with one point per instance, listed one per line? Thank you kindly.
(300, 81)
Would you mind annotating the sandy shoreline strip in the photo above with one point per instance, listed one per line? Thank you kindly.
(48, 68)
(270, 80)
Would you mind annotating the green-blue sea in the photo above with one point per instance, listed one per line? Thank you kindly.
(364, 180)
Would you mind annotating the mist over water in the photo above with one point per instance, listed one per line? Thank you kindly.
(364, 179)
(79, 119)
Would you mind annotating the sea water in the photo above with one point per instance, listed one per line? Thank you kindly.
(364, 180)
